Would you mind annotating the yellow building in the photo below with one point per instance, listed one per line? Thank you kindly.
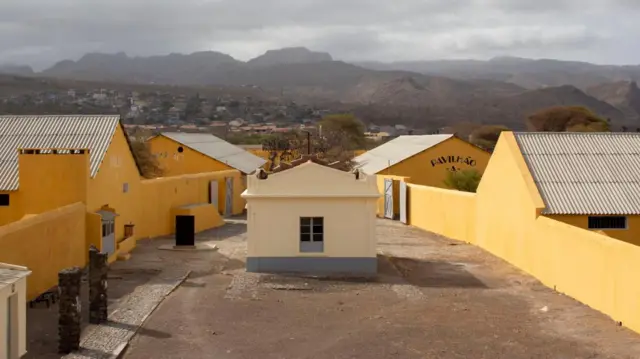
(181, 153)
(13, 311)
(426, 159)
(588, 180)
(311, 218)
(52, 161)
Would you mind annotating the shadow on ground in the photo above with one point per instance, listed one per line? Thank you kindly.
(393, 270)
(435, 274)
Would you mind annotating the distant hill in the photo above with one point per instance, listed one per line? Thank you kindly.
(527, 73)
(21, 70)
(500, 91)
(290, 55)
(624, 95)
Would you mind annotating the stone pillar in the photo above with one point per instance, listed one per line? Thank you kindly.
(98, 268)
(69, 315)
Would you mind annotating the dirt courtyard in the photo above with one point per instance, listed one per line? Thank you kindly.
(433, 298)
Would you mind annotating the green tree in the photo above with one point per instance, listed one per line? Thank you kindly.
(464, 180)
(487, 136)
(345, 127)
(567, 119)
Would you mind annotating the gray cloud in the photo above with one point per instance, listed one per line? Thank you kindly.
(40, 32)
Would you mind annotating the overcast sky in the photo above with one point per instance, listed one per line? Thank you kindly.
(41, 32)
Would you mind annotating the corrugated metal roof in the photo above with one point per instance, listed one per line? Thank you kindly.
(584, 173)
(396, 151)
(76, 131)
(218, 149)
(10, 274)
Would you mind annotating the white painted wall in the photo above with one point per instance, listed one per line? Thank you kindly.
(276, 204)
(274, 226)
(21, 300)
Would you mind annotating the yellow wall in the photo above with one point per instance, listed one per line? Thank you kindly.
(45, 243)
(629, 235)
(205, 216)
(13, 211)
(47, 181)
(161, 195)
(187, 162)
(447, 212)
(504, 218)
(107, 187)
(146, 203)
(423, 171)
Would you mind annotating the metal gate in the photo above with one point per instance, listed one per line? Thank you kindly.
(403, 202)
(108, 237)
(228, 203)
(213, 194)
(185, 231)
(388, 198)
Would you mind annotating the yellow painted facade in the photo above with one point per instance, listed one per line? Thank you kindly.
(276, 204)
(189, 161)
(430, 167)
(630, 235)
(46, 243)
(503, 217)
(51, 219)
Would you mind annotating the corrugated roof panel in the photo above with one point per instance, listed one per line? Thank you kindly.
(396, 151)
(218, 149)
(584, 173)
(77, 131)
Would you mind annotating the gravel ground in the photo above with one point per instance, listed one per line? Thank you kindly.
(433, 298)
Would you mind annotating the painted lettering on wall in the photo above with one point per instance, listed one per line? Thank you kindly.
(452, 162)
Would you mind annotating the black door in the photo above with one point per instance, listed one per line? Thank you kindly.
(185, 231)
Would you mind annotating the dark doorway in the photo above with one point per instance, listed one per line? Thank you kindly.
(185, 231)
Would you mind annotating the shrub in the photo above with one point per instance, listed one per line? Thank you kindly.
(464, 180)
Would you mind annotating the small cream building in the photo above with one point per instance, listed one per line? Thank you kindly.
(311, 218)
(13, 311)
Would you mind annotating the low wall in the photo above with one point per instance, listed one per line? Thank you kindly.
(46, 243)
(597, 270)
(446, 212)
(593, 268)
(205, 215)
(161, 195)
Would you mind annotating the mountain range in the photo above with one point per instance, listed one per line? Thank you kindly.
(503, 90)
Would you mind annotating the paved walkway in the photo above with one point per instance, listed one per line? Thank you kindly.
(108, 340)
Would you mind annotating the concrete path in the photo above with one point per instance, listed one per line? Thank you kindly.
(108, 340)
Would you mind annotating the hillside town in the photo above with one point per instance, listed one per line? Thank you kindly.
(223, 116)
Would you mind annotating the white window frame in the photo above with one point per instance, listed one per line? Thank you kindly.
(626, 223)
(312, 245)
